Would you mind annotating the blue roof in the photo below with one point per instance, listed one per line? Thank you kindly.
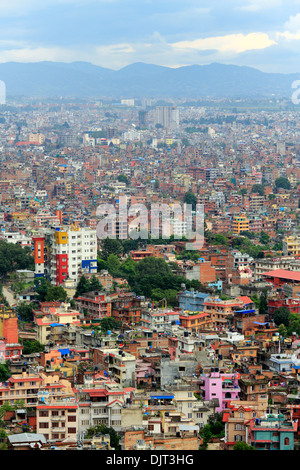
(64, 351)
(162, 397)
(244, 311)
(56, 324)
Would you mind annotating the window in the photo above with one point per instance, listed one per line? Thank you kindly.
(238, 427)
(44, 425)
(71, 430)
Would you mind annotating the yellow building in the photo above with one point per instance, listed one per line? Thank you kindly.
(240, 224)
(291, 246)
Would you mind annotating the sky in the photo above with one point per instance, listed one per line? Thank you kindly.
(264, 34)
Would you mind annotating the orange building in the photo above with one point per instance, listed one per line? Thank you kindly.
(194, 321)
(9, 333)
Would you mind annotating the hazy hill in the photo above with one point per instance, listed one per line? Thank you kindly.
(82, 79)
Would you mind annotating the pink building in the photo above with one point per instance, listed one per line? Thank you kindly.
(223, 386)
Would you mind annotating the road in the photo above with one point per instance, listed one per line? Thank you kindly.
(9, 296)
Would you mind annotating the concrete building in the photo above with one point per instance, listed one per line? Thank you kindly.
(223, 386)
(69, 250)
(117, 363)
(192, 300)
(167, 117)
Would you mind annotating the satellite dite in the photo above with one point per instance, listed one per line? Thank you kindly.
(2, 92)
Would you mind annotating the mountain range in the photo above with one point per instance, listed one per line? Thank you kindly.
(85, 80)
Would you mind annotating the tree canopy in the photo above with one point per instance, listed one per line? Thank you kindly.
(13, 257)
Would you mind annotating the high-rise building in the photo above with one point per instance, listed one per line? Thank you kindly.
(142, 118)
(68, 250)
(167, 117)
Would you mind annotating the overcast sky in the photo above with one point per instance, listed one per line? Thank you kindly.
(113, 33)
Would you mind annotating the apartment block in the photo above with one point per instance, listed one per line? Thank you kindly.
(57, 421)
(64, 252)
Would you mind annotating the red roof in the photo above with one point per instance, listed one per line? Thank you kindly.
(245, 299)
(284, 274)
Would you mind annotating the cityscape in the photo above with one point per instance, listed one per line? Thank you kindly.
(150, 241)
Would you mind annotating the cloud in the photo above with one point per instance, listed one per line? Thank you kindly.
(37, 54)
(258, 5)
(235, 43)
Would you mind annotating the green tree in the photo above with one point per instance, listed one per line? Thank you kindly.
(95, 284)
(110, 246)
(109, 323)
(113, 265)
(263, 302)
(258, 188)
(282, 330)
(32, 346)
(56, 293)
(243, 191)
(101, 264)
(24, 311)
(3, 439)
(241, 445)
(206, 435)
(264, 238)
(190, 198)
(220, 239)
(216, 424)
(82, 286)
(123, 179)
(13, 257)
(281, 316)
(103, 429)
(4, 372)
(282, 182)
(41, 287)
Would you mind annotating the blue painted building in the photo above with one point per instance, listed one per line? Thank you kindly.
(192, 300)
(272, 432)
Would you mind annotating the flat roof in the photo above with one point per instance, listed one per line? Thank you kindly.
(284, 274)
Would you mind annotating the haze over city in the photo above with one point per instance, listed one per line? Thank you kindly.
(150, 228)
(114, 33)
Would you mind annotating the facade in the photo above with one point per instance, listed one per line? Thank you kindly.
(167, 117)
(221, 312)
(53, 315)
(100, 404)
(272, 432)
(192, 300)
(240, 224)
(32, 388)
(96, 304)
(126, 307)
(194, 322)
(158, 319)
(57, 421)
(221, 386)
(10, 348)
(118, 364)
(253, 387)
(236, 417)
(68, 250)
(291, 246)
